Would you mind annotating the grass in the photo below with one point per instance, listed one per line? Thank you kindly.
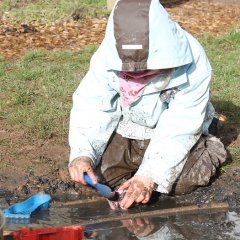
(224, 54)
(37, 90)
(48, 11)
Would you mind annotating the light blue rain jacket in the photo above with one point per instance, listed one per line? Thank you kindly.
(173, 119)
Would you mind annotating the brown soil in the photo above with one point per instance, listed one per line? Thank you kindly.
(27, 168)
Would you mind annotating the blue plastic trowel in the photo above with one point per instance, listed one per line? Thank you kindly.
(103, 189)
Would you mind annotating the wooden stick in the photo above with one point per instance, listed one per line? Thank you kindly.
(206, 208)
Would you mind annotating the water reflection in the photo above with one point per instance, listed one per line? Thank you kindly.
(191, 226)
(179, 227)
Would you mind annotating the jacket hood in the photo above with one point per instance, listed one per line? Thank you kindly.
(140, 35)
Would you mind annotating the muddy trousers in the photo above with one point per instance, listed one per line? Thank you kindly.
(123, 156)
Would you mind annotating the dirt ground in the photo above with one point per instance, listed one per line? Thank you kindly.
(31, 167)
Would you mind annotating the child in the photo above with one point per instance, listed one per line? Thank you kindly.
(141, 117)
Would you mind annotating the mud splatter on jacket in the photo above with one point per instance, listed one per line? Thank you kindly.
(174, 109)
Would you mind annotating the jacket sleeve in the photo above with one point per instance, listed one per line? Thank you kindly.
(94, 115)
(178, 129)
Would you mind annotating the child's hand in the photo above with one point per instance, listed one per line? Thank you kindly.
(141, 227)
(137, 189)
(79, 166)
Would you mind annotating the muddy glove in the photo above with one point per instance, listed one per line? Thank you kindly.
(79, 166)
(137, 189)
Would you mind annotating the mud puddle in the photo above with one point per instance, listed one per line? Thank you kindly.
(218, 225)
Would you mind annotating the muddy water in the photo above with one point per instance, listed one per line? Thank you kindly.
(222, 225)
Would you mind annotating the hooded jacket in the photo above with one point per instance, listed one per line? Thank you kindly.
(173, 110)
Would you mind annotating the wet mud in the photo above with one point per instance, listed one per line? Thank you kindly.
(219, 225)
(207, 225)
(225, 187)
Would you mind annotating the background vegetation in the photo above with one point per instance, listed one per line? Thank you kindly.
(36, 89)
(49, 10)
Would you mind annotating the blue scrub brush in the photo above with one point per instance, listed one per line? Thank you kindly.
(103, 189)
